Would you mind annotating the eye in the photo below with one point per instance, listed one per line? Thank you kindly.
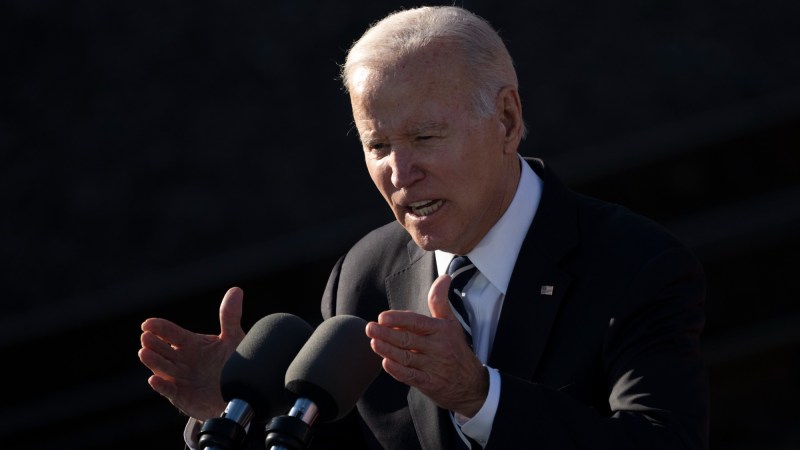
(377, 149)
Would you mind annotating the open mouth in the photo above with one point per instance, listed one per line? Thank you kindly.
(425, 207)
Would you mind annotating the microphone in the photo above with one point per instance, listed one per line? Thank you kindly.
(252, 379)
(328, 376)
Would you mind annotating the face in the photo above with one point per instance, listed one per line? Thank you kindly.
(447, 174)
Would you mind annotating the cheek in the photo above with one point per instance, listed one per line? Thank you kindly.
(381, 176)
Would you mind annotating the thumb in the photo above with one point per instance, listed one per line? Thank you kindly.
(438, 302)
(230, 314)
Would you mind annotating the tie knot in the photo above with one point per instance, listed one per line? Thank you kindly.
(460, 270)
(459, 265)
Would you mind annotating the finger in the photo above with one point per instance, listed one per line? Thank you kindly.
(230, 313)
(403, 374)
(396, 337)
(407, 320)
(419, 362)
(151, 341)
(167, 331)
(162, 386)
(438, 303)
(157, 364)
(406, 357)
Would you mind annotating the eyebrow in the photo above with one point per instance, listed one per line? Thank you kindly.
(367, 137)
(416, 130)
(427, 127)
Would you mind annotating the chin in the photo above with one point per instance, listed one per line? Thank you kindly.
(427, 242)
(428, 238)
(424, 242)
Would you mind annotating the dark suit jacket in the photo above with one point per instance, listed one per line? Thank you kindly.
(609, 360)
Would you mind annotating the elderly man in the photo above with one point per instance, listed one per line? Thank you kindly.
(579, 322)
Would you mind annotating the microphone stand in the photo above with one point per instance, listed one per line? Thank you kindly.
(292, 431)
(227, 431)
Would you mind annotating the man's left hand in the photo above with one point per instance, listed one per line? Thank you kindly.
(431, 353)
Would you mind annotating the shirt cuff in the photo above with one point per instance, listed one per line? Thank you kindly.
(479, 427)
(190, 433)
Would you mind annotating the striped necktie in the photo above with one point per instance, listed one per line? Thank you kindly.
(461, 271)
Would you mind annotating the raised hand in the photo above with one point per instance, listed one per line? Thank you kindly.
(186, 366)
(431, 353)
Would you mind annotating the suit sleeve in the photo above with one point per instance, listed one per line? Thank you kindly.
(654, 377)
(328, 304)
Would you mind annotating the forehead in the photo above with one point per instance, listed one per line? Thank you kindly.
(406, 112)
(423, 93)
(433, 58)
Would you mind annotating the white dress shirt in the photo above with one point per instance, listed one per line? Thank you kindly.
(495, 257)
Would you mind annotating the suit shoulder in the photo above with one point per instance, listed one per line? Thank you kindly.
(380, 252)
(616, 226)
(359, 280)
(381, 243)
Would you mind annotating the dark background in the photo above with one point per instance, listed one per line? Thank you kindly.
(153, 154)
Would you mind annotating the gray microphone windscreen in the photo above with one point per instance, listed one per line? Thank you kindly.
(334, 367)
(255, 371)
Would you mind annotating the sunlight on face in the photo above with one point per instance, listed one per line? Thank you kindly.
(447, 174)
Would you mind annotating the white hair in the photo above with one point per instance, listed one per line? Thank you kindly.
(402, 33)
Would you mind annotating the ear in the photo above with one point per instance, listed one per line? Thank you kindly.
(509, 112)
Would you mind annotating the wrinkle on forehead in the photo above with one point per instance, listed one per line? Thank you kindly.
(410, 96)
(374, 131)
(440, 53)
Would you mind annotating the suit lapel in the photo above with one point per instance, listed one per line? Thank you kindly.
(429, 420)
(537, 285)
(408, 289)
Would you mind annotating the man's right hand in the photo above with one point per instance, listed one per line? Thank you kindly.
(186, 366)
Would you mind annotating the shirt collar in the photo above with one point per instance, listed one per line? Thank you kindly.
(496, 254)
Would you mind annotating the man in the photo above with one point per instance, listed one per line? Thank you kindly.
(581, 324)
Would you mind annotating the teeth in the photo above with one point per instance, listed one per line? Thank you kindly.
(425, 207)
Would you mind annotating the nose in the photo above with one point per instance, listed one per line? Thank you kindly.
(406, 169)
